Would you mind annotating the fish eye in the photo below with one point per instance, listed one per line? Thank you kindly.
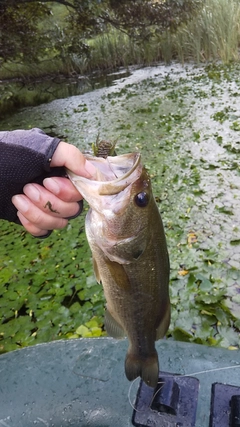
(141, 199)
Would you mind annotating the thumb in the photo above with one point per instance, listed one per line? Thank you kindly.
(71, 157)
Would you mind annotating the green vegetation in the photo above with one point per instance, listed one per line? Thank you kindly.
(52, 38)
(212, 34)
(186, 124)
(43, 295)
(32, 31)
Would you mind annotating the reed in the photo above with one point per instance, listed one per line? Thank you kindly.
(213, 34)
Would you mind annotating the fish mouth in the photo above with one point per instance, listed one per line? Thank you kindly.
(123, 168)
(113, 175)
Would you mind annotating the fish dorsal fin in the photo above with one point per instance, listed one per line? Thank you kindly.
(112, 326)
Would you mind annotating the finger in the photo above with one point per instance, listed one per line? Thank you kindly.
(31, 228)
(62, 188)
(49, 203)
(69, 156)
(36, 216)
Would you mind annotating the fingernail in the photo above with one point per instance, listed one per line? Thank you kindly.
(44, 236)
(91, 170)
(20, 203)
(80, 209)
(52, 185)
(32, 192)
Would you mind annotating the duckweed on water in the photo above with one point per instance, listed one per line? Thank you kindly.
(185, 122)
(43, 294)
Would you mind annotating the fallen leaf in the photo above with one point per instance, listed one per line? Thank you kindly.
(191, 238)
(183, 272)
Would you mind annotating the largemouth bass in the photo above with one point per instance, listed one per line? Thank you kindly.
(126, 236)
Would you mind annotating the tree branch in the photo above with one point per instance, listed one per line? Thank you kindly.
(67, 3)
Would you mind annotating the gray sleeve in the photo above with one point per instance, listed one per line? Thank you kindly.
(25, 157)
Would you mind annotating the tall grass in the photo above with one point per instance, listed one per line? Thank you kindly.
(115, 49)
(213, 34)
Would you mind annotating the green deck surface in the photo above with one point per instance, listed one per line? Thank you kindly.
(82, 382)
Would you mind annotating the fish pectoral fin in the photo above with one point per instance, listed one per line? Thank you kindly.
(96, 271)
(118, 274)
(112, 326)
(164, 324)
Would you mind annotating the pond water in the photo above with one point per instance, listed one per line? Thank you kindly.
(18, 93)
(185, 120)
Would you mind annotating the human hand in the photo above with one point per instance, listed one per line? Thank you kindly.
(44, 208)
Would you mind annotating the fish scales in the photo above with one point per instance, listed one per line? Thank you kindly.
(130, 257)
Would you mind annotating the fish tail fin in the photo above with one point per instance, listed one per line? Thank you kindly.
(145, 367)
